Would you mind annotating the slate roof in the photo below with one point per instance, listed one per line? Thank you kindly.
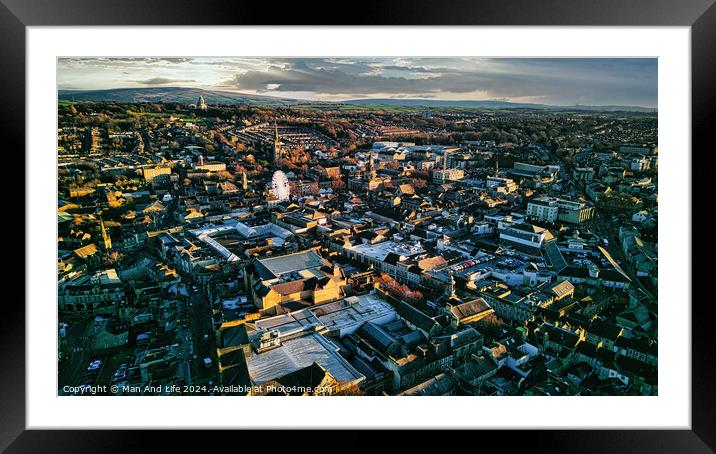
(416, 317)
(437, 386)
(476, 368)
(236, 373)
(471, 308)
(604, 330)
(233, 336)
(376, 336)
(575, 271)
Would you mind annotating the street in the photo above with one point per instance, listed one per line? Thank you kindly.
(70, 370)
(603, 227)
(200, 324)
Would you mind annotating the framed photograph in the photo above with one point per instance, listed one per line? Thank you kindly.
(246, 216)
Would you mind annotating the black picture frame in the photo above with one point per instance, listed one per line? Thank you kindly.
(700, 15)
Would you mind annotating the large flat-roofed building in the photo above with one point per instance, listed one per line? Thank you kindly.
(254, 229)
(384, 256)
(542, 209)
(288, 354)
(640, 148)
(553, 209)
(275, 267)
(540, 174)
(150, 173)
(337, 318)
(302, 277)
(523, 236)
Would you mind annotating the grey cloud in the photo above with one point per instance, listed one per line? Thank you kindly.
(163, 81)
(551, 80)
(564, 81)
(103, 60)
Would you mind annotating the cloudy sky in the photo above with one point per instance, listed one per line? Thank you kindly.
(556, 81)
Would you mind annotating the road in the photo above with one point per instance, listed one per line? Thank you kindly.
(200, 324)
(70, 370)
(606, 229)
(112, 361)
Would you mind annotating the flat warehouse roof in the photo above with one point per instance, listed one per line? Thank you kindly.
(298, 353)
(340, 314)
(292, 262)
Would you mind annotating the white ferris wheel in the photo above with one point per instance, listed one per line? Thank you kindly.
(279, 184)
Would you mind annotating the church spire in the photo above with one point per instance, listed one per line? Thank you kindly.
(105, 237)
(450, 288)
(276, 144)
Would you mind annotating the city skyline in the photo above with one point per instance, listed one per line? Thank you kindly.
(552, 81)
(224, 244)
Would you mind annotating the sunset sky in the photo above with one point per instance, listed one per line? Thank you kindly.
(555, 81)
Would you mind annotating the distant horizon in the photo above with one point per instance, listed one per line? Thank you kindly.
(353, 100)
(547, 81)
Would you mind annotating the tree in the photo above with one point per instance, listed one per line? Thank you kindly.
(418, 184)
(111, 258)
(420, 174)
(398, 291)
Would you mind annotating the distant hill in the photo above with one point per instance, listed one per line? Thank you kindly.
(170, 94)
(488, 105)
(442, 103)
(191, 95)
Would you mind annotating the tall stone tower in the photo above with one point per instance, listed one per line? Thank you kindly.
(201, 104)
(106, 240)
(371, 166)
(276, 144)
(449, 290)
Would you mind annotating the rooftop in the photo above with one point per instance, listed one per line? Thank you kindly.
(346, 314)
(276, 266)
(298, 353)
(381, 250)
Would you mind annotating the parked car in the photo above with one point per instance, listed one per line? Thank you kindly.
(120, 373)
